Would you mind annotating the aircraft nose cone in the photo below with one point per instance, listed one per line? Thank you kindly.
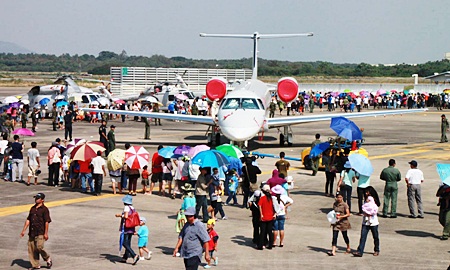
(240, 125)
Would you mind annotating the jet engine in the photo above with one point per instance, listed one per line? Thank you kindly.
(287, 89)
(216, 88)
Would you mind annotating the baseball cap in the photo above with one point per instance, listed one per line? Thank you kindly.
(190, 211)
(39, 196)
(211, 221)
(143, 219)
(413, 162)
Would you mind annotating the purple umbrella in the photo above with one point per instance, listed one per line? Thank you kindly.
(15, 104)
(182, 150)
(23, 132)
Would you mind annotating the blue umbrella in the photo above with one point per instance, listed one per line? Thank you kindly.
(318, 149)
(444, 172)
(210, 158)
(166, 152)
(62, 103)
(44, 101)
(361, 164)
(346, 128)
(121, 240)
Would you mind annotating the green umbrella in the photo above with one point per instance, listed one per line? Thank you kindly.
(347, 91)
(230, 150)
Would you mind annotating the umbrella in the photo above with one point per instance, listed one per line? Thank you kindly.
(166, 152)
(115, 159)
(59, 97)
(444, 173)
(197, 149)
(210, 158)
(62, 103)
(151, 99)
(318, 149)
(44, 101)
(381, 92)
(181, 97)
(230, 150)
(119, 101)
(25, 101)
(73, 144)
(23, 132)
(361, 164)
(335, 94)
(346, 128)
(86, 151)
(182, 150)
(136, 157)
(10, 99)
(347, 91)
(15, 105)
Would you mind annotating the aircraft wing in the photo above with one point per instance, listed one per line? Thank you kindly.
(294, 120)
(206, 120)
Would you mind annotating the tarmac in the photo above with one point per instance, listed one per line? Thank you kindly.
(84, 233)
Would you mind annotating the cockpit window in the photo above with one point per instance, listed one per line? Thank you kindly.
(231, 104)
(190, 95)
(93, 97)
(250, 103)
(84, 99)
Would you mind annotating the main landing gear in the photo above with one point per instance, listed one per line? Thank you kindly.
(286, 136)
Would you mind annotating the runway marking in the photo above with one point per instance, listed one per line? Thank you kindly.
(11, 210)
(399, 154)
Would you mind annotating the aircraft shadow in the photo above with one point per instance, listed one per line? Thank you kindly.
(22, 263)
(242, 240)
(417, 233)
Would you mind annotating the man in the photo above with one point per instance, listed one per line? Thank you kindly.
(315, 160)
(391, 175)
(98, 164)
(413, 178)
(33, 163)
(155, 109)
(112, 138)
(23, 118)
(147, 128)
(103, 136)
(192, 241)
(54, 162)
(311, 104)
(444, 210)
(17, 158)
(282, 165)
(68, 119)
(54, 116)
(157, 170)
(3, 145)
(38, 220)
(272, 108)
(201, 191)
(444, 128)
(202, 107)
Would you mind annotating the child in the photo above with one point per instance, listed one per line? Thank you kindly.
(65, 167)
(214, 237)
(142, 233)
(145, 183)
(234, 183)
(115, 178)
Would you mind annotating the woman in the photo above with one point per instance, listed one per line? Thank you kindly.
(342, 224)
(330, 170)
(280, 203)
(127, 232)
(267, 218)
(344, 185)
(370, 222)
(166, 177)
(256, 215)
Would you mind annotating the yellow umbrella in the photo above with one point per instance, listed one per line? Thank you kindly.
(19, 97)
(115, 159)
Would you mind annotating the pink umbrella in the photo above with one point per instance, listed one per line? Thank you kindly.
(197, 149)
(23, 132)
(381, 92)
(181, 97)
(119, 101)
(137, 157)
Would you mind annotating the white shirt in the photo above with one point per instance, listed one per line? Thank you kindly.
(414, 176)
(33, 153)
(3, 146)
(98, 162)
(280, 208)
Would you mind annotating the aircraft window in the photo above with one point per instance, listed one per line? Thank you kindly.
(93, 97)
(250, 103)
(190, 95)
(231, 103)
(84, 99)
(260, 103)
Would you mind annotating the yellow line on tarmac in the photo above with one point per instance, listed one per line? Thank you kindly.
(11, 210)
(399, 154)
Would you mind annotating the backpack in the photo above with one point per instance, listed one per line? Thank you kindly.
(133, 219)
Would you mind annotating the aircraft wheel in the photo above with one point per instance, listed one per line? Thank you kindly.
(281, 139)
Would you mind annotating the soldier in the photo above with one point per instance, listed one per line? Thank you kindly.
(103, 136)
(147, 128)
(112, 138)
(391, 175)
(23, 118)
(272, 108)
(311, 104)
(315, 160)
(156, 110)
(444, 128)
(34, 119)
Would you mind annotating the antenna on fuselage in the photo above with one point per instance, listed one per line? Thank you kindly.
(255, 36)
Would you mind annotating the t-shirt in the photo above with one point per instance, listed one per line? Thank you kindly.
(98, 162)
(84, 166)
(414, 176)
(16, 152)
(33, 153)
(347, 177)
(213, 239)
(145, 174)
(280, 208)
(156, 163)
(267, 208)
(3, 146)
(282, 166)
(363, 181)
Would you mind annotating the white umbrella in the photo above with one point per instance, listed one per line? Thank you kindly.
(25, 101)
(10, 99)
(152, 99)
(59, 97)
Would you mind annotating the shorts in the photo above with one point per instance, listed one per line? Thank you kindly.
(157, 177)
(278, 224)
(32, 171)
(145, 182)
(211, 253)
(142, 242)
(115, 179)
(167, 176)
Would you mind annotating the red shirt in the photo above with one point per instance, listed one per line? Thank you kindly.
(144, 174)
(266, 208)
(156, 163)
(84, 166)
(213, 239)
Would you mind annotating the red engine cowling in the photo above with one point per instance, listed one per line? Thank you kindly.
(216, 88)
(287, 89)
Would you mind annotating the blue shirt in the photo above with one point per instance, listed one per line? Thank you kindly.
(143, 232)
(194, 236)
(188, 202)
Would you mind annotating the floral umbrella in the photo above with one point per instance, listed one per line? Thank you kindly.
(115, 159)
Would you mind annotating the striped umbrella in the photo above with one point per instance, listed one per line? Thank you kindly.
(136, 157)
(86, 151)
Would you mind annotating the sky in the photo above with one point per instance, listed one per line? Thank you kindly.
(345, 31)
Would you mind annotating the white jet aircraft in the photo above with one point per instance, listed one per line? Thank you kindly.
(243, 113)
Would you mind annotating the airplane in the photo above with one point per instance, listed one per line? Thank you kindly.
(243, 112)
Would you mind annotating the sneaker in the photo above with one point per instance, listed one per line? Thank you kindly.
(420, 216)
(141, 258)
(207, 266)
(149, 256)
(216, 262)
(225, 218)
(136, 259)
